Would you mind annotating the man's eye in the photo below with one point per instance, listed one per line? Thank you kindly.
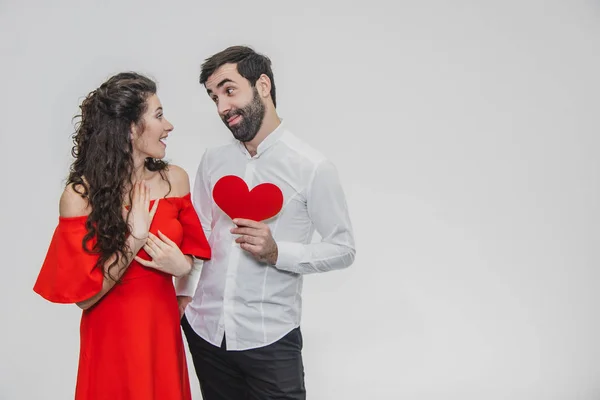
(215, 99)
(229, 90)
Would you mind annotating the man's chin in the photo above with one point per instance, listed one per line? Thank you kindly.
(243, 138)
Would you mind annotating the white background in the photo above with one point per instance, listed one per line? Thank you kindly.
(466, 136)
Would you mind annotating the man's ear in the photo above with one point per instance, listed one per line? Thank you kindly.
(263, 85)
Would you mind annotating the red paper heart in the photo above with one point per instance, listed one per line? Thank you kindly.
(232, 195)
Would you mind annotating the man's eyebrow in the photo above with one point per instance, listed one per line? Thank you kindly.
(224, 81)
(159, 109)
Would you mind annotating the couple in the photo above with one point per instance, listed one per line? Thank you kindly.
(128, 224)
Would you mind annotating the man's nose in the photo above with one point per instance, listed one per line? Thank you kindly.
(223, 107)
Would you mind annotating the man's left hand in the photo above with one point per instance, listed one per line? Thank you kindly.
(256, 239)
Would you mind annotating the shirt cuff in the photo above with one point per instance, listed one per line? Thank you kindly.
(186, 285)
(289, 256)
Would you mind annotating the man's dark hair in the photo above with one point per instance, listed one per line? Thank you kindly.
(250, 65)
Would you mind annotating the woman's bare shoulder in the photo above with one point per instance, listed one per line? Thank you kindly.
(179, 179)
(72, 203)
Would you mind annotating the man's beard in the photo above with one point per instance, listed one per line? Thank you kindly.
(252, 117)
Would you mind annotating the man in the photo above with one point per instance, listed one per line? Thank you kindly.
(243, 324)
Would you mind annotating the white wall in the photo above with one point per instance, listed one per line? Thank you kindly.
(466, 136)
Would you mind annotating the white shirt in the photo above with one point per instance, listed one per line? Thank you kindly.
(254, 304)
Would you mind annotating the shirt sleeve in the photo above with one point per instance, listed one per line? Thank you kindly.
(69, 273)
(201, 205)
(328, 211)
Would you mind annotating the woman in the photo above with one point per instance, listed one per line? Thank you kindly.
(115, 251)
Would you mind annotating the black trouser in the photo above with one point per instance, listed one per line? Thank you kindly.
(266, 373)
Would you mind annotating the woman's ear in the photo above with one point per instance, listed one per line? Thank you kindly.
(134, 131)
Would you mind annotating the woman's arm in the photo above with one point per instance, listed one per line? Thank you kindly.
(73, 205)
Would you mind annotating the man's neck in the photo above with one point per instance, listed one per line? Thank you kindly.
(270, 123)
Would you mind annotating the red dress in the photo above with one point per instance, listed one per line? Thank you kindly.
(131, 343)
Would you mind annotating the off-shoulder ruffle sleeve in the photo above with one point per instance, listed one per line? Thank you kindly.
(194, 241)
(68, 274)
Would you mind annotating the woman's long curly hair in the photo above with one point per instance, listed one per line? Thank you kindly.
(103, 166)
